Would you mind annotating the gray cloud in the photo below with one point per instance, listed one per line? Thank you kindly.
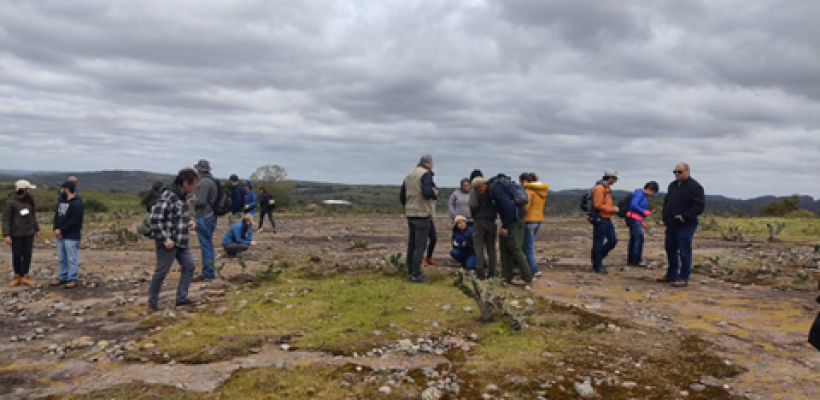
(355, 91)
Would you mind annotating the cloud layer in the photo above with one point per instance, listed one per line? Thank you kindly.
(356, 91)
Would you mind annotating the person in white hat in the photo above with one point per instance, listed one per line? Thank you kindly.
(20, 229)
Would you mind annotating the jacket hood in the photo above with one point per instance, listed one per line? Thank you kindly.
(538, 188)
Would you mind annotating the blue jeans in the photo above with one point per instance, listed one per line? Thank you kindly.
(165, 259)
(604, 240)
(634, 251)
(679, 252)
(205, 233)
(530, 230)
(67, 255)
(465, 258)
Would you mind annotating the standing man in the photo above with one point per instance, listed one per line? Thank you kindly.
(638, 203)
(68, 226)
(171, 224)
(418, 195)
(204, 198)
(20, 228)
(511, 235)
(266, 206)
(237, 200)
(604, 238)
(684, 202)
(484, 228)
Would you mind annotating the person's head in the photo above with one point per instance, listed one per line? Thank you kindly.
(610, 177)
(460, 222)
(480, 184)
(682, 172)
(157, 185)
(73, 179)
(247, 220)
(248, 185)
(651, 188)
(427, 161)
(475, 174)
(263, 190)
(186, 180)
(202, 166)
(465, 185)
(23, 187)
(234, 179)
(67, 189)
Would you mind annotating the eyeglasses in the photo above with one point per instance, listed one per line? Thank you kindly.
(677, 172)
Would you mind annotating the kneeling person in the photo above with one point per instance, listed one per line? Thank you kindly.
(463, 250)
(239, 236)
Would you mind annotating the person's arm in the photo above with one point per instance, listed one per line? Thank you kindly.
(451, 205)
(528, 206)
(697, 205)
(636, 202)
(428, 188)
(163, 211)
(473, 202)
(202, 192)
(506, 207)
(7, 213)
(403, 195)
(598, 195)
(250, 200)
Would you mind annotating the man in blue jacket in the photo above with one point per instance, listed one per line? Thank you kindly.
(239, 236)
(511, 235)
(250, 198)
(68, 226)
(685, 201)
(635, 214)
(237, 200)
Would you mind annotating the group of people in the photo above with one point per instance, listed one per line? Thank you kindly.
(479, 202)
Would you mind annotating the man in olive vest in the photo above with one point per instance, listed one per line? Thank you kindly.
(418, 196)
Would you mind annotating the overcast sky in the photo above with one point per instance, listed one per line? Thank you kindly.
(356, 91)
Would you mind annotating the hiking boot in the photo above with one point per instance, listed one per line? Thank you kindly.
(680, 283)
(184, 303)
(16, 280)
(24, 280)
(420, 279)
(58, 282)
(665, 279)
(200, 278)
(428, 262)
(153, 308)
(601, 271)
(70, 285)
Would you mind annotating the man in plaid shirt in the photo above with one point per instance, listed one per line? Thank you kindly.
(171, 223)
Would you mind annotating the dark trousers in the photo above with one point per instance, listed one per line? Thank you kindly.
(484, 235)
(679, 252)
(604, 240)
(165, 259)
(512, 253)
(21, 250)
(634, 250)
(269, 213)
(432, 238)
(234, 248)
(418, 230)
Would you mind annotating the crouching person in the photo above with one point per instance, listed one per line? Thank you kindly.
(463, 250)
(239, 236)
(171, 225)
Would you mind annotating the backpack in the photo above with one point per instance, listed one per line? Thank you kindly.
(222, 203)
(586, 201)
(518, 192)
(145, 227)
(623, 206)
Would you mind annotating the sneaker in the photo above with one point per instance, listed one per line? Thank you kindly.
(665, 279)
(70, 285)
(200, 278)
(58, 282)
(153, 308)
(538, 273)
(601, 271)
(680, 283)
(420, 279)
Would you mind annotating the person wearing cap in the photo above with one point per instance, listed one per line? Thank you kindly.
(250, 198)
(68, 226)
(20, 229)
(418, 195)
(604, 238)
(237, 199)
(485, 230)
(204, 197)
(239, 236)
(72, 179)
(685, 201)
(171, 225)
(533, 215)
(463, 250)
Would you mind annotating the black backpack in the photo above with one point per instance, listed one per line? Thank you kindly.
(518, 192)
(586, 201)
(222, 203)
(623, 206)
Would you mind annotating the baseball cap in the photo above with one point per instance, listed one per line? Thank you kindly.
(23, 184)
(611, 173)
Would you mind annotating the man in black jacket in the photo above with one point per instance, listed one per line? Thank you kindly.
(684, 202)
(68, 226)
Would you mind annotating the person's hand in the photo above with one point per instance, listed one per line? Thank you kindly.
(247, 207)
(680, 218)
(169, 244)
(191, 224)
(58, 233)
(7, 239)
(643, 224)
(37, 235)
(649, 212)
(435, 191)
(615, 209)
(503, 232)
(253, 243)
(152, 208)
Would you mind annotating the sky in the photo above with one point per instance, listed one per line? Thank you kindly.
(356, 91)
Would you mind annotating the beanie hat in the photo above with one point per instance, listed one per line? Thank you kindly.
(69, 185)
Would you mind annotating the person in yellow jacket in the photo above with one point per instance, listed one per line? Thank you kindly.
(533, 215)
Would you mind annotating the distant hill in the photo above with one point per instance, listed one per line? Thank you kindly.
(562, 202)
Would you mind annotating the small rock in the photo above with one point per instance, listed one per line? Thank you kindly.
(385, 389)
(585, 389)
(697, 387)
(221, 310)
(285, 347)
(629, 385)
(491, 388)
(255, 350)
(431, 393)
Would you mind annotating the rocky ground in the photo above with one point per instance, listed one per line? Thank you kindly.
(55, 341)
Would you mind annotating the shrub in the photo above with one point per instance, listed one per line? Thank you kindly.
(94, 205)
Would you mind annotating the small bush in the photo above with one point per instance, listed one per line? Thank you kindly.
(94, 205)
